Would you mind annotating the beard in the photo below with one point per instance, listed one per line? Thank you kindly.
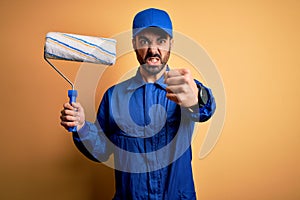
(153, 69)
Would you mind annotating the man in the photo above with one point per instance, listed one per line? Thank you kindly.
(146, 122)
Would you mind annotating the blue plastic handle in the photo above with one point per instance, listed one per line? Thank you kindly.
(72, 96)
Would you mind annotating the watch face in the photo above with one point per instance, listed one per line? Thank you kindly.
(202, 96)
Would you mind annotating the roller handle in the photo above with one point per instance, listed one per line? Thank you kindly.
(72, 96)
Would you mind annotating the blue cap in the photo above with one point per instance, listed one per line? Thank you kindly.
(152, 17)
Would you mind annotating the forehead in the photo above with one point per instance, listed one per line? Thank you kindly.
(153, 32)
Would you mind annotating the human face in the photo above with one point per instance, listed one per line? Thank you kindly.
(152, 47)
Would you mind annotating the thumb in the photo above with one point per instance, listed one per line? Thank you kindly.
(77, 106)
(184, 71)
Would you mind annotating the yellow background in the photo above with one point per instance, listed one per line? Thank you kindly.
(255, 45)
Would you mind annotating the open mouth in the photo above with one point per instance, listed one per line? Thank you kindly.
(153, 61)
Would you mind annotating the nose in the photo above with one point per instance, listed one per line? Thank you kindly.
(153, 49)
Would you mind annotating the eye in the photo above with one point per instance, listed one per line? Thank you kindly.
(143, 42)
(162, 41)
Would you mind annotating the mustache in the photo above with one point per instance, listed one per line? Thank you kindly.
(149, 55)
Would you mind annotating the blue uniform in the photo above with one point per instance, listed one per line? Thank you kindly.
(150, 138)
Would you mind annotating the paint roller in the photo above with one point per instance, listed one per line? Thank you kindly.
(79, 48)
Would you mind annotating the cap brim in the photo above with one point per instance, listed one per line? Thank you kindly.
(136, 31)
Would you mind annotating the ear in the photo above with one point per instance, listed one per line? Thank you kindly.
(171, 42)
(133, 43)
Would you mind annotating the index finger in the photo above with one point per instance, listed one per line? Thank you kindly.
(68, 106)
(176, 72)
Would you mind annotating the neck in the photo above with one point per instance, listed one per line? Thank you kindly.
(152, 78)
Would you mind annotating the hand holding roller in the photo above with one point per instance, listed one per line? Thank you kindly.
(79, 48)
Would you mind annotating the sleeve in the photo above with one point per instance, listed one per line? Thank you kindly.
(206, 105)
(91, 140)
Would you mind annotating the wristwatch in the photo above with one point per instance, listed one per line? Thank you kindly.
(202, 100)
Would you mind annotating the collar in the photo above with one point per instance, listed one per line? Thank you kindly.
(138, 81)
